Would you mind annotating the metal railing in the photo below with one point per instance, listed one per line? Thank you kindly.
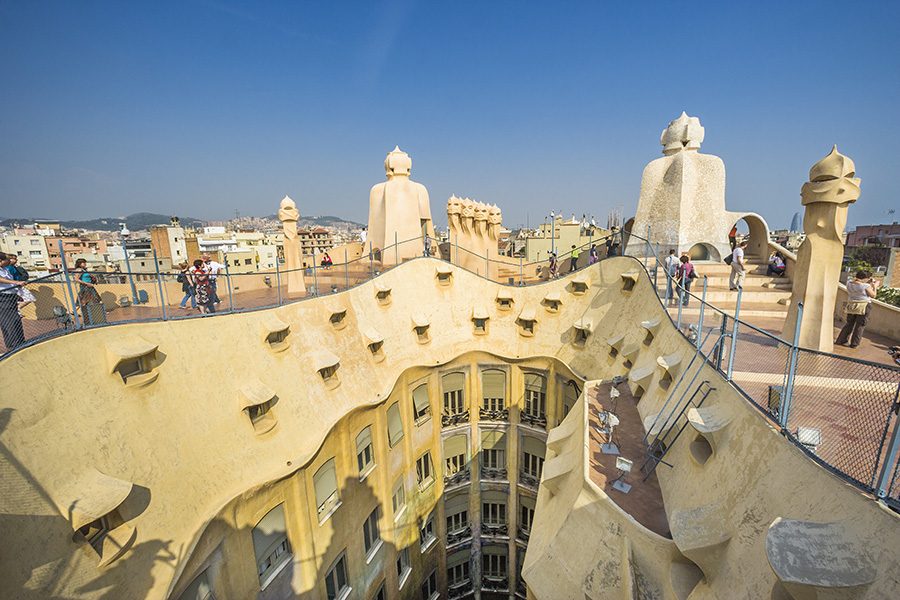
(843, 412)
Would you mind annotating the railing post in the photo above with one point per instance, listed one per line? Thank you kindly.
(135, 299)
(702, 306)
(277, 280)
(371, 262)
(315, 276)
(521, 272)
(723, 329)
(734, 334)
(656, 272)
(647, 246)
(680, 306)
(396, 250)
(162, 297)
(228, 283)
(884, 479)
(787, 394)
(65, 268)
(346, 270)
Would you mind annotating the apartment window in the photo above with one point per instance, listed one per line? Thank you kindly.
(398, 499)
(453, 385)
(336, 584)
(325, 482)
(371, 536)
(493, 513)
(493, 385)
(493, 449)
(458, 569)
(270, 545)
(493, 565)
(535, 395)
(526, 508)
(379, 595)
(455, 454)
(421, 404)
(200, 589)
(456, 509)
(429, 587)
(426, 533)
(570, 396)
(248, 261)
(365, 455)
(533, 451)
(395, 424)
(403, 568)
(423, 470)
(493, 458)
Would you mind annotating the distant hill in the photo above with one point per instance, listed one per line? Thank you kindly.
(323, 221)
(135, 222)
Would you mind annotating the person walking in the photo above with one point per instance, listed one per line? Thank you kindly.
(593, 254)
(10, 319)
(738, 267)
(554, 266)
(671, 265)
(187, 286)
(203, 287)
(92, 310)
(212, 270)
(684, 275)
(573, 264)
(860, 292)
(732, 236)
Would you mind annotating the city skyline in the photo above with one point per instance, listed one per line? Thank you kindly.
(206, 108)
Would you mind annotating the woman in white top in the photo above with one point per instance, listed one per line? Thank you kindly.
(860, 292)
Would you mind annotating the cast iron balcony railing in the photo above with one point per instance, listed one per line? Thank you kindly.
(521, 590)
(459, 536)
(458, 478)
(494, 583)
(455, 419)
(493, 474)
(534, 420)
(523, 533)
(493, 415)
(529, 480)
(494, 529)
(460, 589)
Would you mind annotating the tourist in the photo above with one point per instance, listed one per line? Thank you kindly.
(573, 264)
(671, 265)
(732, 236)
(738, 267)
(212, 269)
(593, 254)
(92, 310)
(614, 250)
(860, 292)
(187, 286)
(427, 251)
(203, 288)
(363, 234)
(326, 261)
(684, 275)
(776, 265)
(10, 319)
(554, 266)
(20, 274)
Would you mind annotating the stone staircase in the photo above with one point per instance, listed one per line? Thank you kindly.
(764, 296)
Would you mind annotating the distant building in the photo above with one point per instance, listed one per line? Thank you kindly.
(315, 240)
(31, 250)
(169, 241)
(72, 247)
(875, 235)
(796, 223)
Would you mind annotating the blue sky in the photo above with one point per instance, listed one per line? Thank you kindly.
(203, 107)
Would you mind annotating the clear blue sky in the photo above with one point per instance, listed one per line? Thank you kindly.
(203, 107)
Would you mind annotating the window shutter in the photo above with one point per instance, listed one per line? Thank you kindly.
(325, 481)
(533, 446)
(395, 425)
(493, 384)
(456, 504)
(455, 446)
(268, 531)
(535, 382)
(493, 439)
(420, 398)
(364, 438)
(453, 381)
(457, 558)
(493, 497)
(527, 502)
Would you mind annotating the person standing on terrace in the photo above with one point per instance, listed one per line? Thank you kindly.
(10, 319)
(860, 292)
(573, 264)
(92, 310)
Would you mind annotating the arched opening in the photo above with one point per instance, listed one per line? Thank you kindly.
(703, 252)
(626, 232)
(755, 230)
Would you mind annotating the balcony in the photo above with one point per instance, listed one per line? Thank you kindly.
(458, 478)
(534, 421)
(459, 536)
(460, 589)
(523, 533)
(493, 474)
(455, 419)
(494, 529)
(493, 415)
(521, 591)
(529, 480)
(494, 583)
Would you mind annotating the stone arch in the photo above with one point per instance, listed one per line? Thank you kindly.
(703, 251)
(758, 245)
